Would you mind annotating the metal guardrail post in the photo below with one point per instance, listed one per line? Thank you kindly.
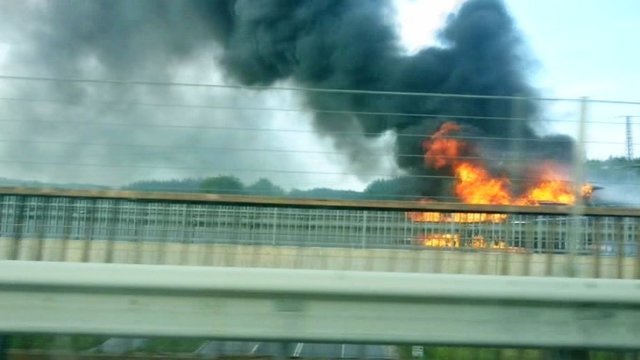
(281, 351)
(4, 347)
(570, 355)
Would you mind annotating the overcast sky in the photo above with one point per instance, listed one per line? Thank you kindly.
(578, 48)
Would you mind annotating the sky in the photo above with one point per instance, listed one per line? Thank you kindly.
(585, 48)
(582, 47)
(577, 48)
(588, 48)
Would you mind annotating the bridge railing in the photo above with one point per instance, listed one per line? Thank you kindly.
(246, 231)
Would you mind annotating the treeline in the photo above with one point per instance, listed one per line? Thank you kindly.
(223, 184)
(383, 189)
(614, 170)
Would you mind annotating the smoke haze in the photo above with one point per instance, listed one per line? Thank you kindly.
(328, 44)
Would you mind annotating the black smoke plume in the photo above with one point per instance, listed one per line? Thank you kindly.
(353, 45)
(324, 44)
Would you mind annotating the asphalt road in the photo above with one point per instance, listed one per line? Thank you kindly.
(296, 350)
(262, 349)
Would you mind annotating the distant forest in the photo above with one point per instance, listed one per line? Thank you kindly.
(611, 171)
(225, 184)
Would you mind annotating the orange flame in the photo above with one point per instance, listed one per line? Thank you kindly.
(446, 240)
(586, 191)
(478, 242)
(551, 187)
(456, 217)
(432, 216)
(476, 185)
(441, 150)
(440, 240)
(549, 191)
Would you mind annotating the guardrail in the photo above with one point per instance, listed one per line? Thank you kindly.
(303, 305)
(248, 231)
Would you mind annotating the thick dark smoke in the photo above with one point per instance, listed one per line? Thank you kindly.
(352, 45)
(328, 44)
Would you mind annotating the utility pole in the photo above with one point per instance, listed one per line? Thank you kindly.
(629, 138)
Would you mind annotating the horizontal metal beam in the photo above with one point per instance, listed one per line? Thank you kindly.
(389, 205)
(326, 306)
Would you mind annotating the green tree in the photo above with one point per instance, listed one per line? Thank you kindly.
(223, 184)
(264, 187)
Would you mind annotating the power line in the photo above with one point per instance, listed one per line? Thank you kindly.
(203, 167)
(278, 130)
(303, 89)
(239, 170)
(442, 117)
(188, 150)
(253, 108)
(215, 148)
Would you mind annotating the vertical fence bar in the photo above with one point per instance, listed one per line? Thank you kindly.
(505, 267)
(88, 220)
(619, 238)
(19, 218)
(529, 240)
(597, 246)
(142, 226)
(552, 234)
(40, 213)
(113, 225)
(165, 221)
(189, 223)
(636, 248)
(68, 205)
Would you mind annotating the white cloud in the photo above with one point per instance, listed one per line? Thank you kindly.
(419, 20)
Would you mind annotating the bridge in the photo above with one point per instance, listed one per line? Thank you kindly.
(246, 231)
(250, 268)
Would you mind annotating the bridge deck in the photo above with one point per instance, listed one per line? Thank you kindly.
(194, 229)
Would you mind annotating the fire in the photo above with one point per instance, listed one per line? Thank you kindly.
(551, 187)
(478, 242)
(432, 216)
(440, 240)
(441, 150)
(587, 191)
(456, 217)
(476, 185)
(549, 191)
